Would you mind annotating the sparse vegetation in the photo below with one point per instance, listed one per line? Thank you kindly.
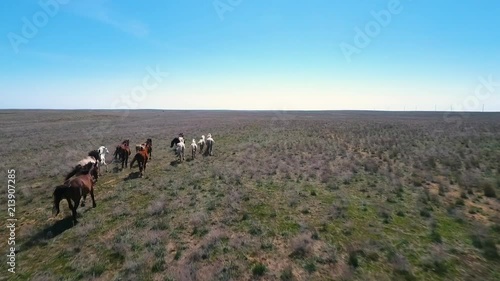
(368, 196)
(259, 269)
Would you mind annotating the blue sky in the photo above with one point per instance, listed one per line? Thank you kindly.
(250, 54)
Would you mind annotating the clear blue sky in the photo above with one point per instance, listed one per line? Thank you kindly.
(250, 54)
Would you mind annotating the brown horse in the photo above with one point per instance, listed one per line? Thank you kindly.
(122, 152)
(74, 189)
(148, 146)
(142, 159)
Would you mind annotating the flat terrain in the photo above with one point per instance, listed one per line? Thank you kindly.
(287, 196)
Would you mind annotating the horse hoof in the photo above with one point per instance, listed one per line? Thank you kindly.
(94, 205)
(83, 205)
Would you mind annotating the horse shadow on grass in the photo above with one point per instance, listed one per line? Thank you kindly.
(42, 237)
(131, 176)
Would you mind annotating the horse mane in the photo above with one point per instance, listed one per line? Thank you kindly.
(80, 170)
(95, 154)
(174, 141)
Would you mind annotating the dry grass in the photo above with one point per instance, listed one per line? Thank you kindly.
(318, 196)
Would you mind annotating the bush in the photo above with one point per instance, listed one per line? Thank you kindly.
(259, 269)
(489, 191)
(476, 241)
(436, 237)
(310, 267)
(490, 250)
(286, 274)
(460, 202)
(353, 258)
(424, 213)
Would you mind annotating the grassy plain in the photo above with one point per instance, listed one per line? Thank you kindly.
(287, 196)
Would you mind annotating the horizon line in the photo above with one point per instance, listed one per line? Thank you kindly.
(244, 110)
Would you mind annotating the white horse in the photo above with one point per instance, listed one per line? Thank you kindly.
(194, 147)
(201, 143)
(210, 145)
(179, 150)
(102, 156)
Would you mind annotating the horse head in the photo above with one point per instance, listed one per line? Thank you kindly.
(103, 150)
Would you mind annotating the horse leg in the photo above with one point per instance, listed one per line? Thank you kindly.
(84, 199)
(73, 210)
(92, 196)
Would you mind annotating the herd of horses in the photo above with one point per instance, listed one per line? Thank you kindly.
(81, 180)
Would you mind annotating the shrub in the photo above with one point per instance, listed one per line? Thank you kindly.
(490, 250)
(460, 202)
(310, 267)
(301, 246)
(436, 237)
(286, 274)
(476, 241)
(489, 191)
(259, 269)
(425, 213)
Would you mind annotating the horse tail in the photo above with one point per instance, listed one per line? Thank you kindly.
(133, 160)
(58, 196)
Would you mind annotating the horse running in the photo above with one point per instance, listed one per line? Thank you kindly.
(194, 147)
(102, 150)
(148, 145)
(74, 189)
(122, 152)
(201, 143)
(142, 159)
(210, 145)
(179, 150)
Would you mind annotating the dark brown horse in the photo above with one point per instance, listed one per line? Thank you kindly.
(74, 189)
(122, 152)
(149, 148)
(142, 159)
